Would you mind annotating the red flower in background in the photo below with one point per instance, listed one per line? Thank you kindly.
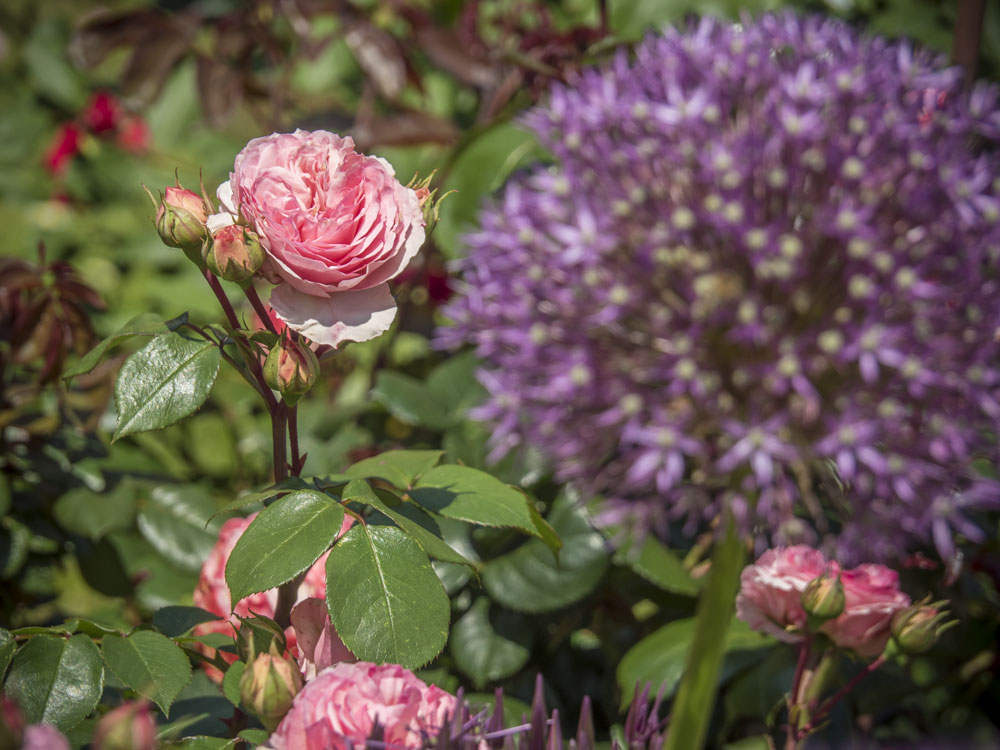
(103, 117)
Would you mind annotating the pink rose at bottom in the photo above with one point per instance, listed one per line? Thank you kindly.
(212, 594)
(43, 737)
(872, 597)
(343, 703)
(770, 598)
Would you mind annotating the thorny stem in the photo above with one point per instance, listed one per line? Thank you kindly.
(227, 306)
(293, 439)
(827, 705)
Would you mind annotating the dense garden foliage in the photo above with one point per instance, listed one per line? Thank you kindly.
(623, 374)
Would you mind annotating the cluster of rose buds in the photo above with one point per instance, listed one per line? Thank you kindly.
(795, 592)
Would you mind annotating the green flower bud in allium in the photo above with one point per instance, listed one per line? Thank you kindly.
(291, 368)
(823, 598)
(131, 726)
(268, 687)
(916, 629)
(256, 635)
(234, 253)
(180, 219)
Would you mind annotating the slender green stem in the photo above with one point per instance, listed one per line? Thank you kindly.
(696, 695)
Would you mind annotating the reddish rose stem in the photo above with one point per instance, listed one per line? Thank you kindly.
(800, 667)
(827, 705)
(258, 307)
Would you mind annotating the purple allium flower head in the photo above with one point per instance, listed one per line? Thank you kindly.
(761, 272)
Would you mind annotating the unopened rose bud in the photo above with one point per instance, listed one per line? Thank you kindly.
(291, 368)
(131, 726)
(11, 723)
(180, 219)
(917, 628)
(255, 636)
(234, 253)
(823, 599)
(268, 686)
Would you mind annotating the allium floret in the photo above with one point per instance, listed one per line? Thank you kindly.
(762, 273)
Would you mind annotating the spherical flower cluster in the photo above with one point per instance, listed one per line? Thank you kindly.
(336, 226)
(340, 707)
(770, 599)
(212, 593)
(760, 273)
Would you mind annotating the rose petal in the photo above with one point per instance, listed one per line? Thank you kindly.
(216, 222)
(344, 316)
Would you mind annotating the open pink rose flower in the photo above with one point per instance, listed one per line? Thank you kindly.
(343, 703)
(872, 597)
(212, 593)
(770, 598)
(336, 226)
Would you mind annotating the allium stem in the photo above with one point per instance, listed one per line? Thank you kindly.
(696, 695)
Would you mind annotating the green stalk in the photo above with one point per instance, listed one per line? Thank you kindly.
(696, 695)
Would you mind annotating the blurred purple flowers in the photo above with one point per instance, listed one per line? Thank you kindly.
(762, 272)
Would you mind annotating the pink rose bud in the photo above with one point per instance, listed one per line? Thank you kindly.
(131, 726)
(823, 598)
(256, 635)
(917, 628)
(872, 597)
(268, 686)
(180, 218)
(234, 253)
(45, 737)
(291, 368)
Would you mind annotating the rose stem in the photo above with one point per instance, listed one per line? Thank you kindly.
(293, 439)
(258, 307)
(800, 668)
(832, 701)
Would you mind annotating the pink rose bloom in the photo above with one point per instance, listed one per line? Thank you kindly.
(43, 737)
(770, 598)
(319, 644)
(212, 593)
(336, 225)
(872, 597)
(344, 702)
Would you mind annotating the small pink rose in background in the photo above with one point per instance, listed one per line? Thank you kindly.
(212, 593)
(319, 645)
(343, 703)
(43, 737)
(770, 598)
(872, 597)
(336, 225)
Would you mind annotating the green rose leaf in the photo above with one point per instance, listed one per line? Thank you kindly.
(175, 522)
(149, 663)
(530, 579)
(474, 496)
(658, 565)
(409, 400)
(143, 324)
(659, 658)
(56, 680)
(384, 598)
(398, 468)
(250, 498)
(231, 682)
(283, 540)
(177, 620)
(360, 491)
(483, 653)
(164, 382)
(7, 648)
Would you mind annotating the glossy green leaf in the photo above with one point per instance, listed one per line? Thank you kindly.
(231, 682)
(658, 565)
(203, 742)
(254, 736)
(143, 324)
(7, 648)
(177, 620)
(360, 491)
(164, 382)
(384, 598)
(408, 399)
(175, 521)
(471, 495)
(283, 540)
(481, 652)
(56, 680)
(398, 468)
(530, 579)
(149, 663)
(259, 496)
(660, 657)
